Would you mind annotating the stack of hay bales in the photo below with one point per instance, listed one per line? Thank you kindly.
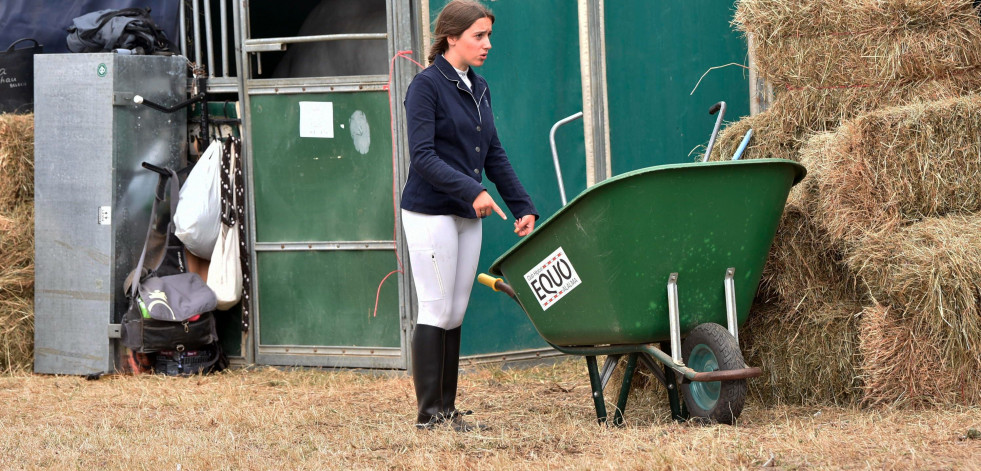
(871, 293)
(16, 242)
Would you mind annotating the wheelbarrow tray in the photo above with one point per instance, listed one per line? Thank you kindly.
(596, 272)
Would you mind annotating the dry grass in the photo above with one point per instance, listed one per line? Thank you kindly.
(860, 42)
(16, 242)
(542, 418)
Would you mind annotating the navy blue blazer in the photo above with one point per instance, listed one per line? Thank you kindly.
(452, 142)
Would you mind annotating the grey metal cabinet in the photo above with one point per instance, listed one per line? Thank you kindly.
(92, 197)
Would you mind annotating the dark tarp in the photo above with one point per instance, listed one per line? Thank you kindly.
(48, 21)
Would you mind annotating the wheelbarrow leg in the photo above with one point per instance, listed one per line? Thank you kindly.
(597, 385)
(678, 412)
(628, 376)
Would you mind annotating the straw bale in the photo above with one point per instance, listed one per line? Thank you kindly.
(769, 139)
(808, 356)
(830, 44)
(867, 59)
(16, 288)
(16, 160)
(930, 274)
(811, 17)
(805, 267)
(796, 115)
(900, 367)
(16, 242)
(897, 165)
(812, 109)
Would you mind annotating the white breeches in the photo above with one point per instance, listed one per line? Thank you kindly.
(443, 252)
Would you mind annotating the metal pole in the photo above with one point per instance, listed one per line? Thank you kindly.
(674, 319)
(721, 108)
(224, 38)
(555, 155)
(183, 29)
(208, 38)
(731, 316)
(197, 31)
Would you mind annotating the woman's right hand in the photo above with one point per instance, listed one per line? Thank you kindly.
(484, 205)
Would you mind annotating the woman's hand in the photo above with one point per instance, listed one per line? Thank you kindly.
(484, 205)
(525, 225)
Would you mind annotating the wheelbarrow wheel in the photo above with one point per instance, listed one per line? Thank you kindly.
(710, 347)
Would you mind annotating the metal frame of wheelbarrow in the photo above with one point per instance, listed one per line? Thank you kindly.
(647, 353)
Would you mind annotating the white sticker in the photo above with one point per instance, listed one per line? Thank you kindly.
(316, 119)
(552, 279)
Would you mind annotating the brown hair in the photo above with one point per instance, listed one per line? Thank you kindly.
(455, 18)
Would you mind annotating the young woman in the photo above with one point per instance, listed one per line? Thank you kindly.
(453, 142)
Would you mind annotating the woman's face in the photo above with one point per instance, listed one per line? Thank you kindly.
(471, 47)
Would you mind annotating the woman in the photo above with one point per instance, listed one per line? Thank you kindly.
(453, 141)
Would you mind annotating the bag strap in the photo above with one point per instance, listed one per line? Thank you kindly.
(174, 186)
(11, 48)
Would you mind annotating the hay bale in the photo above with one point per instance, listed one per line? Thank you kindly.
(812, 109)
(16, 160)
(16, 242)
(805, 267)
(901, 367)
(813, 17)
(808, 356)
(891, 167)
(929, 274)
(17, 289)
(796, 115)
(860, 42)
(769, 139)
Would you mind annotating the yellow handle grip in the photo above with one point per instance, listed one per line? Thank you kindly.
(488, 280)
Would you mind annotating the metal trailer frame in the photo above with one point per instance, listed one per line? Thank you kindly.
(400, 36)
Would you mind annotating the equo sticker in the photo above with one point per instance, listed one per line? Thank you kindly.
(552, 278)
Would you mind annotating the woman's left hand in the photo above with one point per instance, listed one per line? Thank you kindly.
(524, 225)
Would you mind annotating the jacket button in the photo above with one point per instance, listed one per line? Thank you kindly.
(478, 128)
(476, 171)
(477, 149)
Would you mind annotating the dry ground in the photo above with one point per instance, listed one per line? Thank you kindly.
(542, 418)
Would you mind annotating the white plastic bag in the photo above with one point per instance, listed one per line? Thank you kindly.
(225, 272)
(197, 219)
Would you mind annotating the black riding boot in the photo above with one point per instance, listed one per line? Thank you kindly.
(451, 373)
(427, 373)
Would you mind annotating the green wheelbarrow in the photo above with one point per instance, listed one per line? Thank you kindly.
(659, 265)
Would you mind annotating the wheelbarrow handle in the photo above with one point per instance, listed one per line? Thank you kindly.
(495, 284)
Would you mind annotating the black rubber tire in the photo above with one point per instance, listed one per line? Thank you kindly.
(732, 394)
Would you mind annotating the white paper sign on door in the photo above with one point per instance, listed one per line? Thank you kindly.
(317, 119)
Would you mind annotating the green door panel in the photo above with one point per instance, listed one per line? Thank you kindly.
(322, 189)
(326, 298)
(534, 78)
(656, 51)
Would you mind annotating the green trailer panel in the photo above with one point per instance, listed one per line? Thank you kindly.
(322, 189)
(338, 298)
(656, 52)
